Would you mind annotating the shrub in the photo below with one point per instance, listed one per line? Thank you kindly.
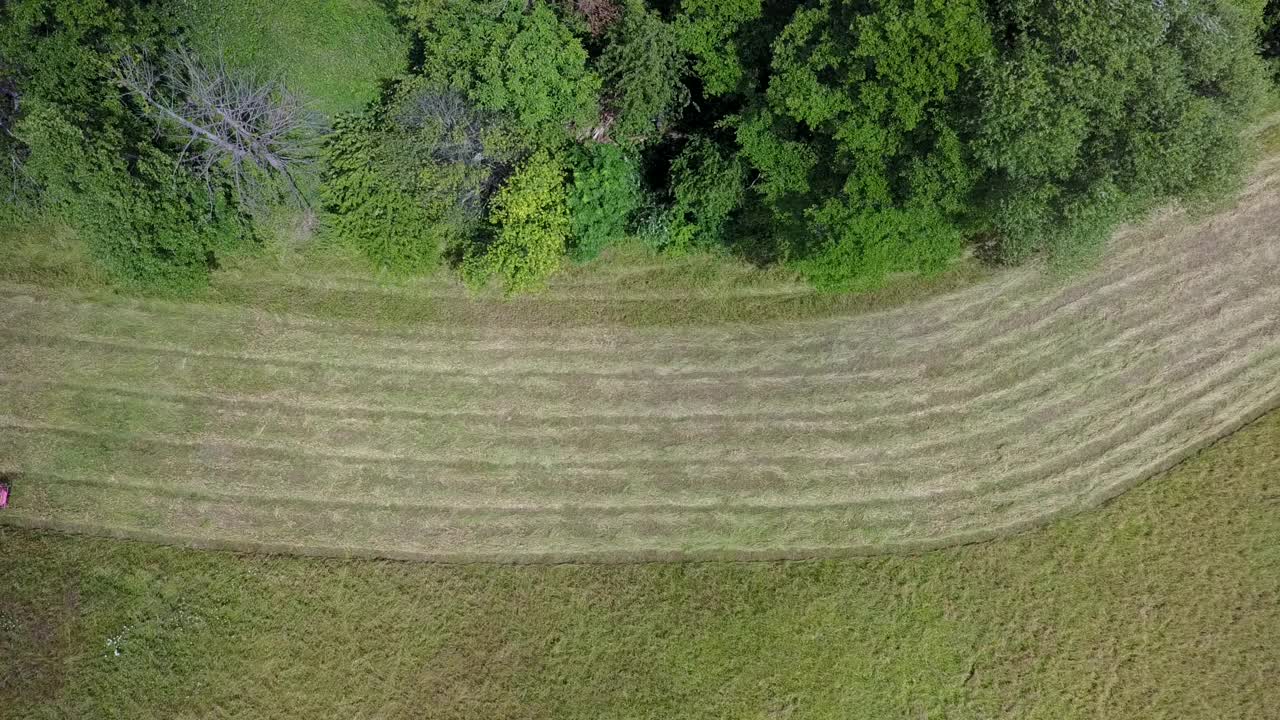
(531, 217)
(150, 226)
(367, 209)
(91, 157)
(605, 193)
(642, 68)
(706, 187)
(859, 251)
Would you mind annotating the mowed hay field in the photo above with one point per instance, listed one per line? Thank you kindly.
(1163, 604)
(488, 431)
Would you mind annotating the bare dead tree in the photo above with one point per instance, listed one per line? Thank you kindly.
(13, 152)
(449, 131)
(599, 14)
(460, 127)
(229, 121)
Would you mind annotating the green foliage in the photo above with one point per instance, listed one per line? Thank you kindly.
(706, 30)
(411, 179)
(368, 209)
(1254, 10)
(784, 165)
(642, 69)
(864, 95)
(64, 52)
(605, 194)
(531, 215)
(94, 161)
(874, 136)
(149, 226)
(862, 249)
(512, 57)
(441, 149)
(18, 197)
(1271, 37)
(1095, 110)
(706, 188)
(847, 139)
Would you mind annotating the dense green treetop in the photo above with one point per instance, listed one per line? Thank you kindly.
(847, 139)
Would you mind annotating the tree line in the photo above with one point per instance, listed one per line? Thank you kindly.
(847, 139)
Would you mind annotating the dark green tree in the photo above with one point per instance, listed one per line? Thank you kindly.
(643, 69)
(1271, 37)
(1092, 111)
(91, 156)
(857, 143)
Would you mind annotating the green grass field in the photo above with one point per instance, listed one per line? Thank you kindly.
(333, 52)
(1164, 604)
(640, 407)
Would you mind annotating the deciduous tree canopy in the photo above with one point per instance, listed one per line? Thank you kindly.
(847, 139)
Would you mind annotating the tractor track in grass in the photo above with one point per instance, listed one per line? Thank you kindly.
(495, 438)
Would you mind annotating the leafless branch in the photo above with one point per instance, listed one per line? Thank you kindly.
(599, 14)
(228, 121)
(451, 132)
(13, 152)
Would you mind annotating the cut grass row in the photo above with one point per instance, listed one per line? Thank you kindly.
(953, 419)
(148, 508)
(1165, 603)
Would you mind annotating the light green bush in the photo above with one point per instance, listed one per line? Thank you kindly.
(530, 214)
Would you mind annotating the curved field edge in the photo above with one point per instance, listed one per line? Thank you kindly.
(944, 422)
(628, 286)
(1172, 461)
(1163, 603)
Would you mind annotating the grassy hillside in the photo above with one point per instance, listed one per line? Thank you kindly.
(1165, 604)
(332, 51)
